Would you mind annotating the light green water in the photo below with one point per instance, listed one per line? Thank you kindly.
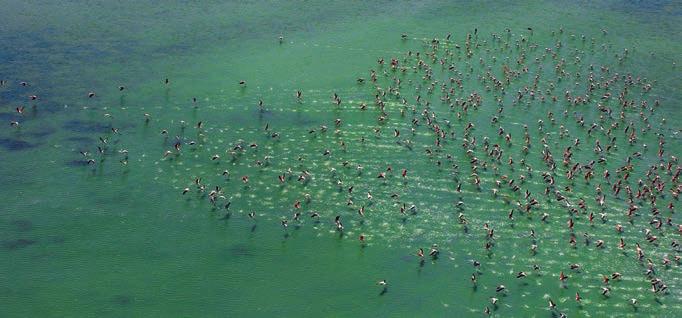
(117, 240)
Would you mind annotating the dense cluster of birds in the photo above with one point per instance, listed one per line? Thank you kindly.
(447, 104)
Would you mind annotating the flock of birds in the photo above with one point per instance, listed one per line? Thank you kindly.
(452, 105)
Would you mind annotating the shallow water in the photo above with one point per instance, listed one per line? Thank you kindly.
(108, 239)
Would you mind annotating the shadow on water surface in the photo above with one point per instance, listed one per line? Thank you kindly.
(82, 126)
(17, 244)
(123, 300)
(240, 250)
(15, 144)
(7, 117)
(77, 163)
(22, 225)
(85, 141)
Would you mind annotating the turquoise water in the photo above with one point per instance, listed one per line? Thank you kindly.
(115, 239)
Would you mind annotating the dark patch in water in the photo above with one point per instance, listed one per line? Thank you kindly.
(9, 117)
(56, 239)
(240, 250)
(44, 132)
(123, 300)
(299, 118)
(22, 225)
(15, 145)
(81, 140)
(77, 163)
(176, 48)
(6, 291)
(406, 258)
(17, 244)
(12, 91)
(82, 126)
(48, 107)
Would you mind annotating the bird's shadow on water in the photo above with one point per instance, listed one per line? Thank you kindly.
(383, 291)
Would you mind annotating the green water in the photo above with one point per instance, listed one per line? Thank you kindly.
(115, 240)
